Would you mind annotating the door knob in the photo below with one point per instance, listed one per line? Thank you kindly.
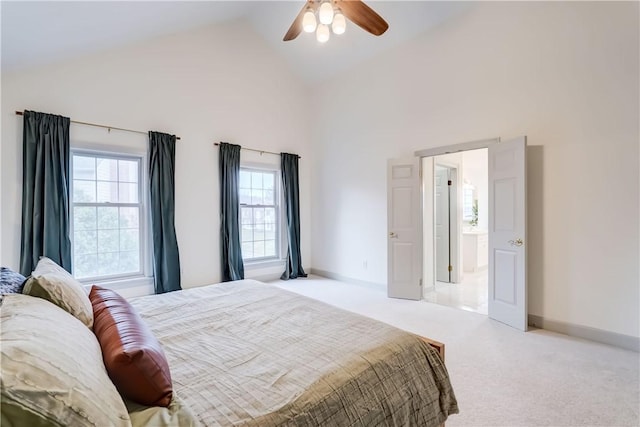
(517, 242)
(393, 235)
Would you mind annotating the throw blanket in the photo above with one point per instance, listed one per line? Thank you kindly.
(247, 353)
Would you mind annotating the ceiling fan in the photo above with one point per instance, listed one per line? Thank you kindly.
(334, 12)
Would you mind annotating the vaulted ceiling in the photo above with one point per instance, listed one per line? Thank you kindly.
(37, 33)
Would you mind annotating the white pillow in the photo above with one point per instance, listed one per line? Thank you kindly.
(52, 369)
(55, 284)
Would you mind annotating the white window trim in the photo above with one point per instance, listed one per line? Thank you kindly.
(280, 259)
(145, 276)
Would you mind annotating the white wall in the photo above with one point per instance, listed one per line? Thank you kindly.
(563, 73)
(214, 84)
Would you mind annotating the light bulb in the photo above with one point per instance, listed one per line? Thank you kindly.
(322, 34)
(339, 24)
(309, 22)
(325, 14)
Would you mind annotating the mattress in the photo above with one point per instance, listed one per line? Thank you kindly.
(251, 354)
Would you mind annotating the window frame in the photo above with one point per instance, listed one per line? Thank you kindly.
(144, 246)
(279, 233)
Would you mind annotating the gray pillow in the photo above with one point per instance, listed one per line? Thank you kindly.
(52, 369)
(56, 285)
(11, 282)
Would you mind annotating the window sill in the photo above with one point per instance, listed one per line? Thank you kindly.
(257, 265)
(128, 287)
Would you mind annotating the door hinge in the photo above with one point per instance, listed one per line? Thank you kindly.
(450, 268)
(420, 282)
(449, 182)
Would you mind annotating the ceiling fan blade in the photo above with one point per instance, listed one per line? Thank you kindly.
(296, 27)
(363, 16)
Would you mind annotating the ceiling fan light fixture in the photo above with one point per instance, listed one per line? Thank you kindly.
(325, 13)
(322, 34)
(309, 22)
(339, 24)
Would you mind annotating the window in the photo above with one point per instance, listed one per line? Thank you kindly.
(259, 213)
(107, 216)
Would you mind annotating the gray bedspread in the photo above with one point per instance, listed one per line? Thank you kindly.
(251, 354)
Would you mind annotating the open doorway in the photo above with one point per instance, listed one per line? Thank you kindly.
(459, 220)
(411, 203)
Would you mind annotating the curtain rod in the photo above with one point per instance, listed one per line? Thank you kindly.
(257, 151)
(20, 113)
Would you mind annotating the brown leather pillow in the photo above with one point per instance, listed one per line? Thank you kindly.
(132, 355)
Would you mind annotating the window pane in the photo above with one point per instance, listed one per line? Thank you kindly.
(269, 197)
(129, 262)
(84, 167)
(256, 197)
(108, 241)
(246, 216)
(268, 181)
(270, 248)
(84, 218)
(258, 215)
(85, 242)
(247, 250)
(127, 171)
(245, 196)
(129, 239)
(246, 233)
(258, 232)
(107, 218)
(270, 215)
(107, 169)
(108, 263)
(85, 266)
(256, 180)
(128, 192)
(258, 249)
(129, 217)
(245, 179)
(269, 231)
(84, 191)
(107, 192)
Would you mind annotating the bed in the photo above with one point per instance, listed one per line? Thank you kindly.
(247, 353)
(241, 353)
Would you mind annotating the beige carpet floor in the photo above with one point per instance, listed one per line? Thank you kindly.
(503, 377)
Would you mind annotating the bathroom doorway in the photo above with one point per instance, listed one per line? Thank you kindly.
(459, 215)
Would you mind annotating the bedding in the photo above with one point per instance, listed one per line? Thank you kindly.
(52, 370)
(247, 353)
(54, 284)
(11, 282)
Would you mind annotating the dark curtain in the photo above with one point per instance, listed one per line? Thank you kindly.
(45, 191)
(230, 250)
(166, 259)
(291, 191)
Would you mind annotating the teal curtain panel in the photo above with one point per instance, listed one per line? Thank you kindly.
(45, 191)
(291, 192)
(230, 250)
(162, 166)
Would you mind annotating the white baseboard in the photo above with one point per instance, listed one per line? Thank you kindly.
(334, 276)
(593, 334)
(627, 342)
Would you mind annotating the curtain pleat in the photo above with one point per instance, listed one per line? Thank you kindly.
(291, 191)
(166, 257)
(230, 250)
(45, 191)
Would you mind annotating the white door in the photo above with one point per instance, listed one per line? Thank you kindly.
(443, 252)
(404, 229)
(507, 233)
